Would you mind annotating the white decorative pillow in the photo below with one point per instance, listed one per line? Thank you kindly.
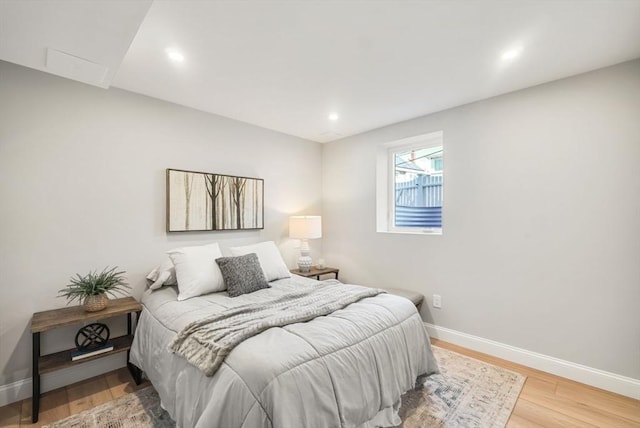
(270, 258)
(165, 274)
(196, 270)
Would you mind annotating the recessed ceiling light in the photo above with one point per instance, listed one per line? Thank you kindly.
(511, 54)
(333, 116)
(175, 56)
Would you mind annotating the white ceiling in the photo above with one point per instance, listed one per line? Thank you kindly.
(285, 65)
(80, 40)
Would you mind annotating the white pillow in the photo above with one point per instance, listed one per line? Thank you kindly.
(196, 270)
(165, 274)
(270, 259)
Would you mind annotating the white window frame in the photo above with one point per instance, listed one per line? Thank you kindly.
(385, 182)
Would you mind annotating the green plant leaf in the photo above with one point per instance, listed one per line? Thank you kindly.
(110, 281)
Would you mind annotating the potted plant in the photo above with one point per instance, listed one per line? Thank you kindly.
(92, 288)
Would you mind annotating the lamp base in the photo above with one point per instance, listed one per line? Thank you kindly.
(305, 263)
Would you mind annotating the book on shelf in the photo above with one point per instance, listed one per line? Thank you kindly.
(79, 354)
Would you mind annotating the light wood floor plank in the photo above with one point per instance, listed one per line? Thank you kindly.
(10, 415)
(533, 383)
(545, 417)
(88, 394)
(54, 405)
(576, 410)
(625, 407)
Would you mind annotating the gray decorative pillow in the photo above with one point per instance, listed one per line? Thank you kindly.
(242, 274)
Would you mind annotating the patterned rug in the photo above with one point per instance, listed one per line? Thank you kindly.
(467, 394)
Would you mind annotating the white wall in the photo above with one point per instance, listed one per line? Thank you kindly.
(541, 241)
(541, 244)
(82, 186)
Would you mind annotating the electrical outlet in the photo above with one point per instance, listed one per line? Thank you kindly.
(437, 301)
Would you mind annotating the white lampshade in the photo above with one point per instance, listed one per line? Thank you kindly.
(305, 227)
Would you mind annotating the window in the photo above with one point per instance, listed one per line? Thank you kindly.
(409, 185)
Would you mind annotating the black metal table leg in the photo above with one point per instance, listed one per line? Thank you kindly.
(136, 373)
(129, 324)
(35, 397)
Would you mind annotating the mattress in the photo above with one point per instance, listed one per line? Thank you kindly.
(346, 369)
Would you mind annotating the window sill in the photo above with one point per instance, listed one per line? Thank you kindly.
(411, 232)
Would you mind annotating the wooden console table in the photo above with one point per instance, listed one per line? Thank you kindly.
(49, 320)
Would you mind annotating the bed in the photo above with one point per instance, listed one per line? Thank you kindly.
(346, 369)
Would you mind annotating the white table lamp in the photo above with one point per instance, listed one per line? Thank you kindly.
(305, 227)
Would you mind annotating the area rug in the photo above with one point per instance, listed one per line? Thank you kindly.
(466, 394)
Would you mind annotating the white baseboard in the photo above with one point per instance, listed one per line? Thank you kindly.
(599, 378)
(21, 389)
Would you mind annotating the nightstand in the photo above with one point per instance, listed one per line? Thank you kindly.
(315, 271)
(56, 318)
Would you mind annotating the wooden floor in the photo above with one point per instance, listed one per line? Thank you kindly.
(72, 399)
(551, 401)
(545, 401)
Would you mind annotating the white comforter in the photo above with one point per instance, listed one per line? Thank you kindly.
(347, 369)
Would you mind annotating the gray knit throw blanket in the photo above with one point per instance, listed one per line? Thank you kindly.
(207, 342)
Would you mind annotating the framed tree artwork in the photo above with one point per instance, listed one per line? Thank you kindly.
(200, 201)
